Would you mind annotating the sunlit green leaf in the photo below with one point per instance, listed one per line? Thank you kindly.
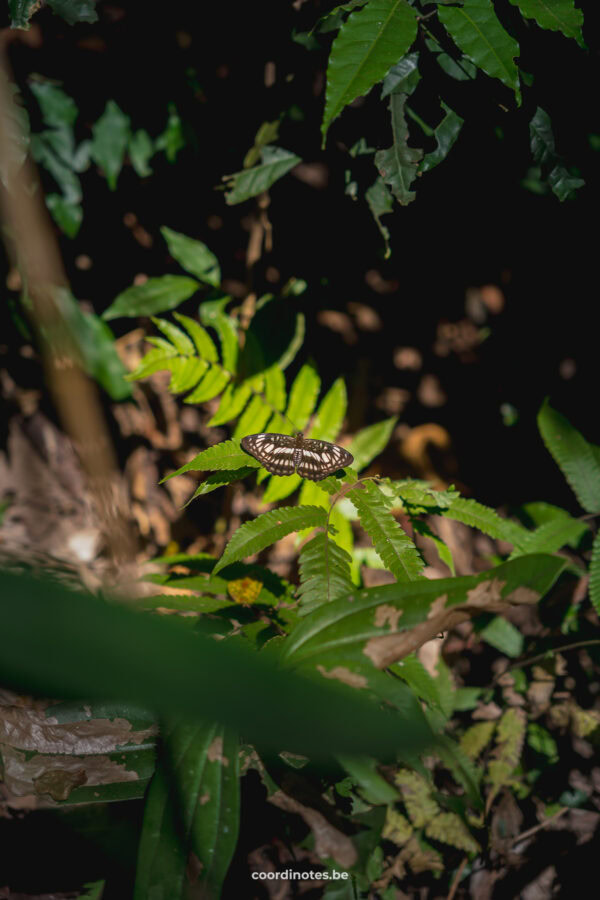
(372, 40)
(193, 256)
(111, 135)
(153, 296)
(275, 162)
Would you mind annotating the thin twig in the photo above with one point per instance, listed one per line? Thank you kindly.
(542, 656)
(531, 831)
(457, 878)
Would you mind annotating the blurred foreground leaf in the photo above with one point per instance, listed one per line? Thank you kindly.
(62, 644)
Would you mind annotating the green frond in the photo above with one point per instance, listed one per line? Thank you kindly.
(233, 401)
(255, 417)
(202, 340)
(578, 460)
(393, 545)
(551, 536)
(370, 441)
(225, 455)
(331, 413)
(303, 396)
(595, 574)
(264, 530)
(324, 573)
(487, 520)
(175, 335)
(211, 385)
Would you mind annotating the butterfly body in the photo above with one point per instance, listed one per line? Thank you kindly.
(283, 454)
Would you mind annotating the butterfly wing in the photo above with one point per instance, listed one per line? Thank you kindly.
(273, 451)
(321, 458)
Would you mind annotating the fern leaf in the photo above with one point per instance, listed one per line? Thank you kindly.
(370, 441)
(487, 520)
(393, 545)
(233, 401)
(280, 487)
(595, 574)
(275, 387)
(211, 385)
(202, 340)
(264, 530)
(331, 413)
(324, 573)
(156, 360)
(303, 396)
(577, 458)
(255, 417)
(449, 828)
(225, 328)
(175, 335)
(421, 494)
(226, 455)
(220, 479)
(551, 536)
(186, 372)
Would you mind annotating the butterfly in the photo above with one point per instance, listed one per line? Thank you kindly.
(281, 454)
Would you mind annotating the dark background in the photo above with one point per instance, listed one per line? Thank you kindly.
(472, 223)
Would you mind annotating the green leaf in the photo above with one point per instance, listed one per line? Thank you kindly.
(58, 109)
(502, 634)
(141, 150)
(476, 30)
(575, 456)
(274, 389)
(191, 817)
(176, 336)
(445, 134)
(398, 166)
(56, 643)
(275, 163)
(303, 395)
(371, 41)
(324, 573)
(331, 412)
(392, 543)
(403, 77)
(96, 344)
(540, 740)
(380, 202)
(111, 135)
(226, 328)
(202, 341)
(253, 420)
(551, 536)
(556, 15)
(67, 214)
(155, 295)
(595, 574)
(370, 441)
(226, 455)
(543, 149)
(21, 11)
(220, 479)
(372, 785)
(211, 386)
(193, 256)
(486, 520)
(264, 530)
(233, 401)
(73, 11)
(172, 139)
(186, 372)
(343, 629)
(425, 686)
